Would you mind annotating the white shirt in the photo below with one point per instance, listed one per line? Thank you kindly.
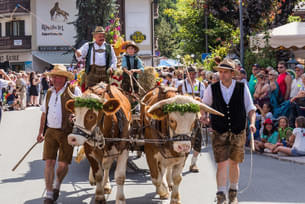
(54, 117)
(299, 142)
(3, 84)
(296, 87)
(188, 89)
(227, 94)
(100, 58)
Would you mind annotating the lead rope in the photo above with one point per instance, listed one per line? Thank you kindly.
(251, 164)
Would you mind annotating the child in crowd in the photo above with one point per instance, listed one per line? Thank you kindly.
(284, 132)
(268, 138)
(265, 112)
(298, 136)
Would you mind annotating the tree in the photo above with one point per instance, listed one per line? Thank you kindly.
(189, 16)
(92, 13)
(165, 29)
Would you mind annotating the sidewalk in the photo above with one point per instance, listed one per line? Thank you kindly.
(298, 160)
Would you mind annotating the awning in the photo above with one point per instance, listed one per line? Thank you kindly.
(54, 57)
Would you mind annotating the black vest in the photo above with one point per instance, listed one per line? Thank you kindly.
(135, 64)
(108, 56)
(235, 113)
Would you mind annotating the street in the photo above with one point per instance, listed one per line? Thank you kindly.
(273, 181)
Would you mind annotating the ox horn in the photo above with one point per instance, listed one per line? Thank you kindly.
(160, 104)
(206, 108)
(70, 93)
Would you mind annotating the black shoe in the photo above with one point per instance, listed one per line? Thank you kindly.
(48, 201)
(55, 194)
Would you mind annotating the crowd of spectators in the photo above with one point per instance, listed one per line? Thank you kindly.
(278, 94)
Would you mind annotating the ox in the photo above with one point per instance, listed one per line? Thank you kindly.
(176, 127)
(102, 112)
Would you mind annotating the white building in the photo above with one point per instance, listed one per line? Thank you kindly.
(39, 35)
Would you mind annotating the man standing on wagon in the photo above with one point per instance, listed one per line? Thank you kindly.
(100, 58)
(233, 99)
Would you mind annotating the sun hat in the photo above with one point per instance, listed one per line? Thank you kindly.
(98, 29)
(61, 70)
(227, 64)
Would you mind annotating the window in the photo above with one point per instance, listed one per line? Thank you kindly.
(14, 28)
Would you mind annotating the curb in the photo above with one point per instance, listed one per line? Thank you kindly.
(281, 158)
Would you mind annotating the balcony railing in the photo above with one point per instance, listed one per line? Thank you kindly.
(7, 6)
(22, 42)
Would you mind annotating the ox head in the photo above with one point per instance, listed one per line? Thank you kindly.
(88, 110)
(181, 113)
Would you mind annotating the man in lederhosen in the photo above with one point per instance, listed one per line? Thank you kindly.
(233, 99)
(100, 58)
(188, 86)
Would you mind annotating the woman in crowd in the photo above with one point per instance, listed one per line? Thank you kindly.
(33, 90)
(298, 136)
(262, 89)
(268, 138)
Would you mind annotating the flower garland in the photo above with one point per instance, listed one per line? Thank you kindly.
(91, 103)
(183, 108)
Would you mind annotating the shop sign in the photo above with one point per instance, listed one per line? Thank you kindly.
(138, 37)
(17, 42)
(9, 58)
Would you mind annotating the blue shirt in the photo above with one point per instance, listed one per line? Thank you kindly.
(272, 138)
(131, 59)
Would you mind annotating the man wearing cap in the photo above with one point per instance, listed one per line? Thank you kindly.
(191, 86)
(55, 125)
(233, 99)
(100, 58)
(132, 65)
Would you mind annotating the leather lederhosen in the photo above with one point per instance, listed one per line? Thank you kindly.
(96, 74)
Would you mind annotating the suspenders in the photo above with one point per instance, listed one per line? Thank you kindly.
(196, 94)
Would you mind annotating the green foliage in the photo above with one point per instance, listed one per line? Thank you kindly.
(182, 108)
(264, 57)
(91, 14)
(165, 29)
(91, 103)
(294, 19)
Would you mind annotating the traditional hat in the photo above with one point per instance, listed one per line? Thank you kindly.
(227, 64)
(98, 29)
(61, 70)
(133, 44)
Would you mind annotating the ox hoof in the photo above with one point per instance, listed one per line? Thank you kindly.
(100, 201)
(164, 196)
(170, 188)
(107, 190)
(175, 202)
(92, 183)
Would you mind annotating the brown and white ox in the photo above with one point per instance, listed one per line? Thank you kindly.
(91, 126)
(168, 158)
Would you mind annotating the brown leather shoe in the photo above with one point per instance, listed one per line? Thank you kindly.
(233, 196)
(55, 194)
(48, 201)
(194, 168)
(221, 198)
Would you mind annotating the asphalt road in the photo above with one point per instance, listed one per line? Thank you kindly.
(273, 181)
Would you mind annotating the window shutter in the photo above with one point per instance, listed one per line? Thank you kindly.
(8, 28)
(21, 28)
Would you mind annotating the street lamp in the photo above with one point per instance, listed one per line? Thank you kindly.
(241, 32)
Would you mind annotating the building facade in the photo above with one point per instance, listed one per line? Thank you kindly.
(15, 35)
(37, 34)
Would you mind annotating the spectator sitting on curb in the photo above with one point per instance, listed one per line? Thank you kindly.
(268, 138)
(298, 148)
(284, 132)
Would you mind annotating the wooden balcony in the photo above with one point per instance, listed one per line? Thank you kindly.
(22, 42)
(7, 6)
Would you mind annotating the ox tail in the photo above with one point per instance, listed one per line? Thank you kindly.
(80, 155)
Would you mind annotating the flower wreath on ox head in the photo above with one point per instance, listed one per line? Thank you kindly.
(91, 103)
